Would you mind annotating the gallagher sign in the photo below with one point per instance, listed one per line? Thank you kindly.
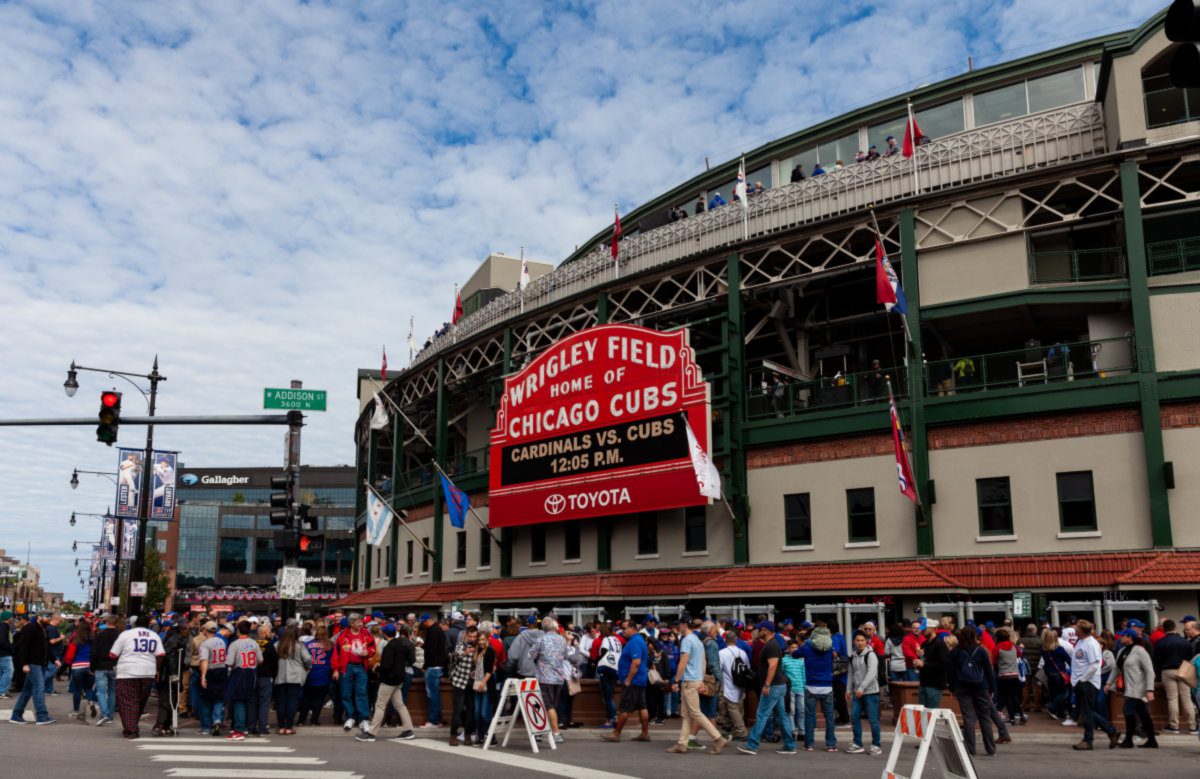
(594, 427)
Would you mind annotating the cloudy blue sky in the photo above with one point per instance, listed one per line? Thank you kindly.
(264, 191)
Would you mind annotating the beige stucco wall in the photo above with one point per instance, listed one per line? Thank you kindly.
(974, 270)
(478, 426)
(555, 548)
(1118, 470)
(1181, 446)
(1124, 101)
(1176, 321)
(670, 542)
(826, 483)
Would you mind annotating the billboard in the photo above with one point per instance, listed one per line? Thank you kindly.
(595, 427)
(131, 476)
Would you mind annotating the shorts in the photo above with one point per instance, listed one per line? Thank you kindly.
(550, 695)
(633, 699)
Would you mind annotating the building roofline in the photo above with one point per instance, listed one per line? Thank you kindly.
(1123, 44)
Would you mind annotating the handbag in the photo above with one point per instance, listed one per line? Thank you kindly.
(574, 687)
(611, 656)
(654, 677)
(709, 685)
(1187, 673)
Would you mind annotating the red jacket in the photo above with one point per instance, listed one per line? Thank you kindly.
(877, 645)
(345, 644)
(910, 646)
(498, 648)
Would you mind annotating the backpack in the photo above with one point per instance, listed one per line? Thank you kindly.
(743, 676)
(969, 672)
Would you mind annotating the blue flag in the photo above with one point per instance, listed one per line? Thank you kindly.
(457, 503)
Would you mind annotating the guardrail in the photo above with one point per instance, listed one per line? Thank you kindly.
(1032, 365)
(1165, 257)
(1076, 265)
(989, 152)
(785, 399)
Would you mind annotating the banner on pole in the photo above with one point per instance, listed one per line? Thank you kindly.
(129, 481)
(162, 504)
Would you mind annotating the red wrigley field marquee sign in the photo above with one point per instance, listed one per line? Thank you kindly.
(595, 426)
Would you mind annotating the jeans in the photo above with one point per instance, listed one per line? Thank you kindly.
(433, 689)
(771, 706)
(404, 688)
(1135, 709)
(708, 705)
(6, 674)
(798, 714)
(930, 697)
(483, 713)
(1059, 695)
(211, 713)
(287, 696)
(81, 685)
(239, 714)
(1086, 693)
(106, 693)
(975, 703)
(608, 686)
(463, 712)
(312, 700)
(811, 701)
(354, 692)
(50, 670)
(34, 687)
(260, 708)
(194, 690)
(871, 703)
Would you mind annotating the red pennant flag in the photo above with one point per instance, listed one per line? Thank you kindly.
(383, 370)
(457, 308)
(908, 485)
(912, 136)
(616, 232)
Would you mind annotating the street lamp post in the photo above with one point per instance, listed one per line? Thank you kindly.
(75, 514)
(75, 477)
(71, 385)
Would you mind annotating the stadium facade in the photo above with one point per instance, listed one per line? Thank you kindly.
(1047, 235)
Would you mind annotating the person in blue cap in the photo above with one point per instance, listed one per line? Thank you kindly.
(1135, 672)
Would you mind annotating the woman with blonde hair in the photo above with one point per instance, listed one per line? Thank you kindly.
(1056, 666)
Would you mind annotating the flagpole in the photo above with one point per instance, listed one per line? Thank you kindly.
(616, 248)
(745, 201)
(434, 461)
(521, 279)
(399, 516)
(903, 317)
(410, 341)
(721, 483)
(912, 134)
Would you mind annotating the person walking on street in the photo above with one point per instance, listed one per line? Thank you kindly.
(1086, 661)
(105, 669)
(31, 653)
(139, 653)
(771, 705)
(969, 674)
(730, 713)
(550, 654)
(6, 653)
(633, 671)
(394, 666)
(1134, 678)
(293, 662)
(436, 657)
(78, 658)
(1172, 651)
(862, 692)
(689, 678)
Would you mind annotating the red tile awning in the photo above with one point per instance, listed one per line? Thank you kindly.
(1166, 568)
(1051, 571)
(885, 576)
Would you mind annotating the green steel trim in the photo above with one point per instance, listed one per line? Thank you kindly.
(602, 308)
(735, 462)
(440, 444)
(854, 420)
(1184, 385)
(1123, 43)
(1152, 437)
(1091, 293)
(1172, 289)
(918, 436)
(507, 536)
(1027, 401)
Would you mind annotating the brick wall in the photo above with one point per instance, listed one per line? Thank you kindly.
(1040, 428)
(819, 451)
(1186, 414)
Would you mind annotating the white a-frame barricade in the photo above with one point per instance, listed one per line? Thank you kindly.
(936, 729)
(520, 698)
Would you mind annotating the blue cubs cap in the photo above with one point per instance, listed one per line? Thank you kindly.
(806, 625)
(1130, 632)
(378, 615)
(766, 624)
(389, 629)
(425, 617)
(345, 622)
(1137, 623)
(989, 624)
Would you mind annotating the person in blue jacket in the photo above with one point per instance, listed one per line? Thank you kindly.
(842, 659)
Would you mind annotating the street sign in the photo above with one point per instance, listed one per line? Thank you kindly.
(291, 582)
(297, 399)
(137, 589)
(1022, 605)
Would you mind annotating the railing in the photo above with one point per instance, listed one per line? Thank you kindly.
(786, 399)
(467, 463)
(462, 464)
(1076, 265)
(1033, 365)
(994, 151)
(1165, 257)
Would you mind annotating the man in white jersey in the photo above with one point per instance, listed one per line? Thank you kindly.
(138, 652)
(1086, 661)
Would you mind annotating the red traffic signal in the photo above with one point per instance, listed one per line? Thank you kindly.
(110, 399)
(110, 417)
(311, 543)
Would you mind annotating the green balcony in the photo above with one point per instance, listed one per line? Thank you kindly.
(781, 399)
(1033, 365)
(1064, 267)
(467, 463)
(1179, 256)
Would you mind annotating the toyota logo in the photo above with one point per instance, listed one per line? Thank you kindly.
(555, 504)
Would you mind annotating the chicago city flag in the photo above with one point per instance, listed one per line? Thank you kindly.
(903, 466)
(708, 479)
(379, 518)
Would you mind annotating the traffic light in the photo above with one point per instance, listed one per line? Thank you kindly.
(282, 488)
(311, 542)
(110, 417)
(307, 520)
(1183, 26)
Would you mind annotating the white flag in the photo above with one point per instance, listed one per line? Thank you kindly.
(379, 419)
(707, 476)
(524, 282)
(412, 342)
(379, 518)
(739, 189)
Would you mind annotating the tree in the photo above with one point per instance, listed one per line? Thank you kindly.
(158, 584)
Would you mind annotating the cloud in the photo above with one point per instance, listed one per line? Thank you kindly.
(263, 191)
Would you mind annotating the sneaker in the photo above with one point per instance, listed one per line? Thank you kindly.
(747, 750)
(202, 732)
(1193, 732)
(693, 744)
(558, 738)
(216, 731)
(834, 749)
(45, 722)
(874, 750)
(810, 749)
(364, 736)
(348, 725)
(1068, 722)
(1171, 730)
(429, 725)
(365, 726)
(606, 726)
(18, 720)
(854, 749)
(407, 735)
(235, 736)
(785, 751)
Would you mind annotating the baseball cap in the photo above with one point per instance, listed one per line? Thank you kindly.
(378, 614)
(252, 620)
(788, 621)
(1137, 623)
(389, 629)
(210, 626)
(766, 624)
(989, 624)
(457, 615)
(652, 618)
(806, 625)
(1131, 633)
(425, 618)
(345, 622)
(1188, 618)
(4, 615)
(531, 620)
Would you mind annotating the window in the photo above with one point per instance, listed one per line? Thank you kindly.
(1166, 104)
(378, 563)
(995, 506)
(1056, 89)
(647, 531)
(842, 149)
(806, 157)
(571, 543)
(877, 134)
(537, 544)
(1076, 502)
(941, 120)
(1000, 104)
(797, 521)
(860, 507)
(408, 559)
(235, 555)
(267, 559)
(425, 557)
(485, 549)
(695, 529)
(460, 555)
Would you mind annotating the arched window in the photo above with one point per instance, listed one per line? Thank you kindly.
(1167, 104)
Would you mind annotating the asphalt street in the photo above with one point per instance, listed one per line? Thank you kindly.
(70, 748)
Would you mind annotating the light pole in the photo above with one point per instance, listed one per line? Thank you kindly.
(71, 385)
(75, 477)
(75, 514)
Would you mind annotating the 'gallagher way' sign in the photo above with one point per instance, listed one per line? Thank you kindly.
(594, 427)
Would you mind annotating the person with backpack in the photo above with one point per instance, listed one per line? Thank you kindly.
(606, 654)
(736, 678)
(969, 674)
(817, 652)
(1008, 675)
(863, 693)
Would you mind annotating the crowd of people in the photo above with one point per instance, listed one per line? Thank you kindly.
(227, 672)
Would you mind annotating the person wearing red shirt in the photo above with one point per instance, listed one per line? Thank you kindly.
(355, 647)
(873, 639)
(911, 647)
(1157, 634)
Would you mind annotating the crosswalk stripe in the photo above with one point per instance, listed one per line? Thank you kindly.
(215, 748)
(523, 760)
(211, 740)
(240, 759)
(265, 773)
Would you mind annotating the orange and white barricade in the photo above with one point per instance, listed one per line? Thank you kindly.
(528, 706)
(931, 728)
